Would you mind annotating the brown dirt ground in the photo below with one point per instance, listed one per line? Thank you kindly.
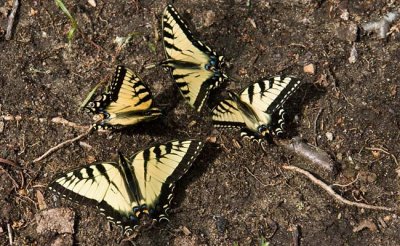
(219, 201)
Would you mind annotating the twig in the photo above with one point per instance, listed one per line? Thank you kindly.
(314, 154)
(61, 120)
(345, 185)
(8, 162)
(10, 237)
(274, 228)
(331, 192)
(11, 19)
(254, 176)
(384, 151)
(315, 126)
(59, 146)
(15, 184)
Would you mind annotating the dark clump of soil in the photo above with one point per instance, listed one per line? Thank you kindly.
(235, 193)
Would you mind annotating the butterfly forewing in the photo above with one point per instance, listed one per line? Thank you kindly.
(227, 115)
(129, 92)
(188, 59)
(127, 101)
(101, 185)
(179, 43)
(137, 185)
(268, 95)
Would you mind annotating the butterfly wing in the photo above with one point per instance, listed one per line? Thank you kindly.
(102, 185)
(158, 168)
(227, 114)
(127, 101)
(195, 67)
(268, 95)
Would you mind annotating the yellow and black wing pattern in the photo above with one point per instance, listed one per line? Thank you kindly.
(126, 191)
(253, 110)
(194, 66)
(269, 94)
(127, 101)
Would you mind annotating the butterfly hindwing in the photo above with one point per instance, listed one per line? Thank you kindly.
(142, 184)
(127, 101)
(257, 107)
(194, 66)
(159, 167)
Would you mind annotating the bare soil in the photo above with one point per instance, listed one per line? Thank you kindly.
(235, 193)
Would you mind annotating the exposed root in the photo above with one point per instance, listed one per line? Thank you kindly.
(11, 19)
(59, 146)
(345, 185)
(384, 151)
(256, 178)
(314, 154)
(331, 192)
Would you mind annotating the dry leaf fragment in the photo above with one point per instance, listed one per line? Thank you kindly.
(393, 90)
(365, 224)
(40, 198)
(185, 230)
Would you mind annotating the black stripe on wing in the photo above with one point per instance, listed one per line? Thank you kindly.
(177, 18)
(77, 175)
(189, 156)
(227, 115)
(269, 94)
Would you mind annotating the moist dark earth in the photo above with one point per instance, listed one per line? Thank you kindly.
(236, 192)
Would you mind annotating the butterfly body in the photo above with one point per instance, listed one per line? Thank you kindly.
(141, 185)
(127, 101)
(253, 109)
(194, 66)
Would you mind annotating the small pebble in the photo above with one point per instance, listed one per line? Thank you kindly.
(347, 32)
(8, 118)
(209, 18)
(59, 220)
(92, 3)
(212, 139)
(353, 55)
(1, 126)
(387, 218)
(329, 136)
(309, 68)
(345, 15)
